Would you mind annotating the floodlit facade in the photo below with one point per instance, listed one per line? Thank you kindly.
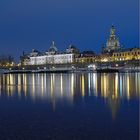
(111, 53)
(128, 54)
(50, 57)
(115, 52)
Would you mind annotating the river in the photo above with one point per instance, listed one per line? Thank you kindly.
(76, 106)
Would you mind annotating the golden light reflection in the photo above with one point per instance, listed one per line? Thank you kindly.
(120, 86)
(11, 79)
(95, 83)
(61, 85)
(137, 85)
(45, 83)
(3, 80)
(11, 85)
(33, 85)
(25, 84)
(42, 85)
(54, 87)
(0, 89)
(116, 85)
(19, 85)
(89, 84)
(8, 80)
(104, 85)
(83, 85)
(128, 87)
(72, 84)
(52, 91)
(0, 84)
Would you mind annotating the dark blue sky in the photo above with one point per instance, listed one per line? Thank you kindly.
(27, 24)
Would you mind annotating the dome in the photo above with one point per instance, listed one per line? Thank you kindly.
(113, 42)
(52, 48)
(72, 49)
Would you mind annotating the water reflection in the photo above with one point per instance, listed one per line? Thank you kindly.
(57, 87)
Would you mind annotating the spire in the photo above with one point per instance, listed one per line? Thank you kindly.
(112, 30)
(113, 42)
(52, 48)
(53, 44)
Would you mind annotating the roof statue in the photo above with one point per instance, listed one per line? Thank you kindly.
(52, 49)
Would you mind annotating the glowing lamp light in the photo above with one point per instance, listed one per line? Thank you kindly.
(104, 60)
(92, 66)
(19, 64)
(73, 67)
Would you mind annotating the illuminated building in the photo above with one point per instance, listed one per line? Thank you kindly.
(50, 57)
(113, 43)
(86, 57)
(113, 52)
(127, 54)
(120, 55)
(6, 61)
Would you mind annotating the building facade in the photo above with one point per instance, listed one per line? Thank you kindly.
(127, 54)
(49, 57)
(86, 57)
(111, 53)
(115, 52)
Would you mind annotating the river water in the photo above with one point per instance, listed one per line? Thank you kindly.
(76, 106)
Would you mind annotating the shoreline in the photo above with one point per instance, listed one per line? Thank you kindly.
(72, 71)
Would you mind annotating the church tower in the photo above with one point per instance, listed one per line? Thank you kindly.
(112, 43)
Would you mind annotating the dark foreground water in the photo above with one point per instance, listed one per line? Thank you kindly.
(69, 106)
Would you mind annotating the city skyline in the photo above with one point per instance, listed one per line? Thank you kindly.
(27, 25)
(69, 69)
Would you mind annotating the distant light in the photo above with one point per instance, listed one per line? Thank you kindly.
(116, 65)
(19, 64)
(73, 67)
(23, 68)
(104, 60)
(92, 66)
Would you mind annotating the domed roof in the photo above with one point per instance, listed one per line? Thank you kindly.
(72, 49)
(113, 41)
(52, 48)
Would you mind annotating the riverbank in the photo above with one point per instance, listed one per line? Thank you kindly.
(105, 70)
